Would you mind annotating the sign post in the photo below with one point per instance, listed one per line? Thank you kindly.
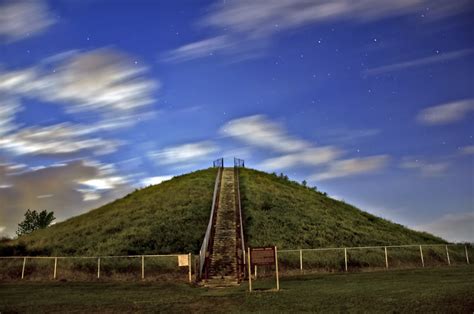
(250, 270)
(263, 256)
(276, 269)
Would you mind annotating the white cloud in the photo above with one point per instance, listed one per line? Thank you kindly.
(259, 131)
(71, 197)
(467, 150)
(155, 180)
(8, 109)
(45, 196)
(351, 167)
(185, 153)
(56, 139)
(237, 24)
(23, 18)
(420, 62)
(446, 113)
(199, 49)
(312, 157)
(88, 196)
(426, 169)
(452, 227)
(103, 80)
(106, 183)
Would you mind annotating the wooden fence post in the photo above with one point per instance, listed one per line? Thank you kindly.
(250, 270)
(301, 260)
(143, 267)
(467, 255)
(55, 267)
(98, 268)
(276, 269)
(447, 255)
(421, 255)
(345, 258)
(189, 268)
(23, 269)
(386, 257)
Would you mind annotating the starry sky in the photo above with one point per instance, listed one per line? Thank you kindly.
(372, 101)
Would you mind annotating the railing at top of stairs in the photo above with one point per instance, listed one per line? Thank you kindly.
(206, 247)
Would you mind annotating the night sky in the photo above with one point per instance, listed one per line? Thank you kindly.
(372, 101)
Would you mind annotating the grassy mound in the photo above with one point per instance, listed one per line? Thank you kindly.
(167, 218)
(284, 213)
(172, 217)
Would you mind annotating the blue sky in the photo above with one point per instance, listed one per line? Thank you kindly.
(371, 101)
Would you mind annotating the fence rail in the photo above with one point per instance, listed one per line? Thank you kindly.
(359, 258)
(163, 264)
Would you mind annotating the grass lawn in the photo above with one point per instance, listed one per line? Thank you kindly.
(447, 289)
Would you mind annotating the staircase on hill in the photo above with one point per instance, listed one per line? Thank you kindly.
(224, 259)
(224, 250)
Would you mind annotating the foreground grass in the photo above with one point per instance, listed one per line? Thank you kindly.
(422, 290)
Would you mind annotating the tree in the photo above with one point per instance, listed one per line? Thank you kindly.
(34, 220)
(304, 183)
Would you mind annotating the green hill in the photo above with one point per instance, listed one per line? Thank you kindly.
(172, 217)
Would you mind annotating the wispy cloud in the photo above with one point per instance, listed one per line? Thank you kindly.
(308, 157)
(155, 180)
(56, 139)
(8, 108)
(438, 58)
(68, 184)
(106, 82)
(426, 169)
(258, 131)
(103, 80)
(188, 153)
(467, 150)
(452, 227)
(351, 167)
(446, 113)
(20, 19)
(199, 49)
(241, 25)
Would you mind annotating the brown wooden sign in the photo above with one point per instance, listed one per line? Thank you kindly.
(262, 255)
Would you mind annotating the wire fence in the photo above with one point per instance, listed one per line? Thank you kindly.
(178, 267)
(370, 258)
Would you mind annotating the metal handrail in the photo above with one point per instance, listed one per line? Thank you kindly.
(207, 237)
(218, 163)
(239, 208)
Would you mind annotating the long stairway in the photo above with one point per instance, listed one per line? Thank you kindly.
(223, 266)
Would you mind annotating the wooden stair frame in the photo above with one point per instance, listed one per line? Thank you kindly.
(219, 265)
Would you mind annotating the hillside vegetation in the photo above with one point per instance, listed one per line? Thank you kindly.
(284, 213)
(172, 218)
(167, 218)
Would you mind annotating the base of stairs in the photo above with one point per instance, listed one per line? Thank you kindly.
(223, 282)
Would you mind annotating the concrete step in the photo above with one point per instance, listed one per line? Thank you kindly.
(220, 282)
